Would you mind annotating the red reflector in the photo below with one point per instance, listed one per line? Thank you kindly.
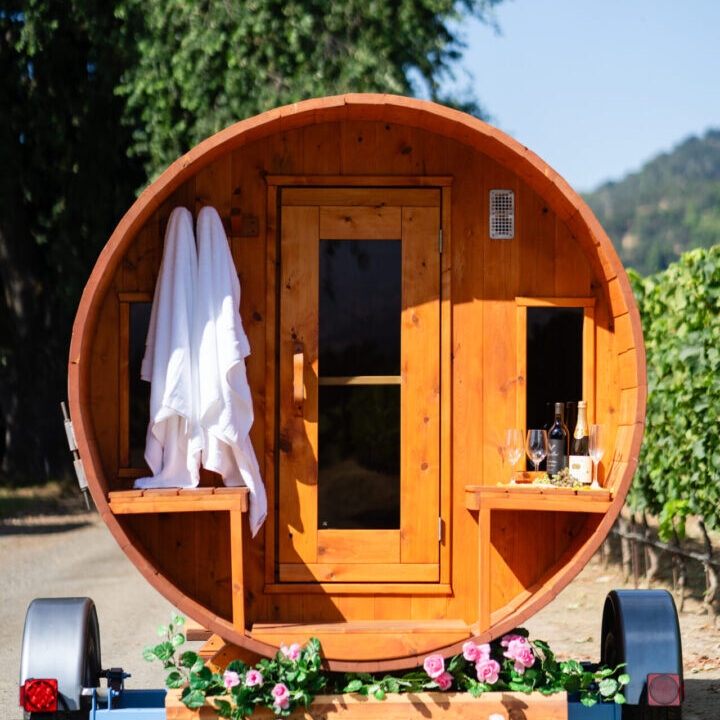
(39, 695)
(663, 689)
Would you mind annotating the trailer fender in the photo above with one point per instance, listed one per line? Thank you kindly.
(61, 640)
(640, 628)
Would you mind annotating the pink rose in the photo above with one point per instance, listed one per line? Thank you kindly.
(487, 670)
(524, 659)
(473, 652)
(444, 680)
(230, 679)
(292, 652)
(519, 651)
(434, 666)
(253, 677)
(507, 639)
(281, 696)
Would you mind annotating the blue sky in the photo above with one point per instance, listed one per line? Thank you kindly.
(597, 87)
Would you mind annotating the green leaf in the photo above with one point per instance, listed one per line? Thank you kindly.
(198, 665)
(619, 699)
(379, 694)
(188, 658)
(588, 700)
(607, 686)
(194, 699)
(353, 686)
(201, 679)
(164, 651)
(148, 653)
(179, 620)
(174, 680)
(624, 679)
(223, 707)
(178, 639)
(162, 630)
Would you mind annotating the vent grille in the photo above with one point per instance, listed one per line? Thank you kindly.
(502, 214)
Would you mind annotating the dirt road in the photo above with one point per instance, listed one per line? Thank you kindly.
(76, 556)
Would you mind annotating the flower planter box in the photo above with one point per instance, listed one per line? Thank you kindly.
(417, 706)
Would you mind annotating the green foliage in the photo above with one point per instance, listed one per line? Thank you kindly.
(298, 672)
(204, 65)
(670, 206)
(679, 472)
(98, 97)
(64, 182)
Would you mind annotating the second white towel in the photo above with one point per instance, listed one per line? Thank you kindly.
(225, 402)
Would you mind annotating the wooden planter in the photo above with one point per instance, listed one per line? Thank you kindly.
(461, 557)
(421, 706)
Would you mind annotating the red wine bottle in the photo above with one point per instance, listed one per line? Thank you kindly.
(557, 459)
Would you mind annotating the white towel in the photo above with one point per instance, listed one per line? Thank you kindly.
(173, 442)
(226, 409)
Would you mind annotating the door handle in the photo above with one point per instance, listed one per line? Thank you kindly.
(298, 383)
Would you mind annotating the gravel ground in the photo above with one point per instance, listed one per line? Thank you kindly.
(75, 555)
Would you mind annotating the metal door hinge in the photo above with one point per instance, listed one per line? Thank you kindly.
(440, 529)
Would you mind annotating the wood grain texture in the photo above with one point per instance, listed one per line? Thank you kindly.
(418, 706)
(559, 251)
(362, 196)
(420, 390)
(359, 572)
(297, 459)
(360, 223)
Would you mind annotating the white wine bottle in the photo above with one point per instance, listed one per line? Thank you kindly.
(580, 461)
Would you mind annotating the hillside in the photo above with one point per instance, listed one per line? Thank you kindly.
(671, 205)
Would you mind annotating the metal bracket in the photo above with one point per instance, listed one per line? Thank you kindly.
(77, 461)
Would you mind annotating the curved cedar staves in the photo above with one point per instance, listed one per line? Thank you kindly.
(390, 167)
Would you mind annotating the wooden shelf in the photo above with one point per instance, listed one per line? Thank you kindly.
(485, 498)
(202, 499)
(165, 500)
(399, 638)
(537, 497)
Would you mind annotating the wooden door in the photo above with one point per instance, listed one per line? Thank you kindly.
(359, 385)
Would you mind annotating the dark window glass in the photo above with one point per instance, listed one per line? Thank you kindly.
(139, 389)
(359, 457)
(554, 363)
(360, 304)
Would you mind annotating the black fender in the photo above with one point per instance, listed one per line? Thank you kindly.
(640, 628)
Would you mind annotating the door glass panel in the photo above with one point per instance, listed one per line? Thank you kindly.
(359, 457)
(554, 363)
(360, 303)
(139, 389)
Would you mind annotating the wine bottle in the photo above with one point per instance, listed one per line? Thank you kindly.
(557, 459)
(580, 461)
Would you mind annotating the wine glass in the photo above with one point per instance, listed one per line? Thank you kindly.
(513, 448)
(537, 446)
(596, 449)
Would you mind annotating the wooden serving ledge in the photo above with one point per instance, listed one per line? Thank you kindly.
(537, 497)
(484, 499)
(202, 499)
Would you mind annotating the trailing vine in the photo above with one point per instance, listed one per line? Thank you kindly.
(294, 677)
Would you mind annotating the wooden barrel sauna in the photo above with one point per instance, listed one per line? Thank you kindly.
(414, 282)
